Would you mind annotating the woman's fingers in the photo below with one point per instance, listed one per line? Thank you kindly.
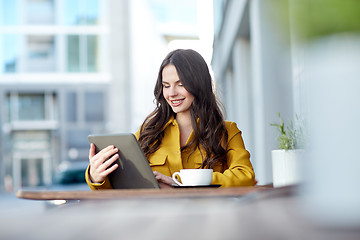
(91, 151)
(100, 163)
(109, 162)
(98, 159)
(163, 179)
(110, 169)
(106, 153)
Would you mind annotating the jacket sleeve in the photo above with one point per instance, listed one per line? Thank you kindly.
(97, 186)
(240, 171)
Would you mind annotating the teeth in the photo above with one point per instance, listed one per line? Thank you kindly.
(176, 101)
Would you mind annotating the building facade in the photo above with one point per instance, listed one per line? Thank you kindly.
(69, 68)
(258, 72)
(54, 83)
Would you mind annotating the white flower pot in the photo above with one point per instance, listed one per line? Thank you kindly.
(286, 167)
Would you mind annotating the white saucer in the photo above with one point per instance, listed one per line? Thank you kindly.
(198, 186)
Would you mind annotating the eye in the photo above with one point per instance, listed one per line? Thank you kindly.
(165, 86)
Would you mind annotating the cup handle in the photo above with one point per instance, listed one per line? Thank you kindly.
(175, 180)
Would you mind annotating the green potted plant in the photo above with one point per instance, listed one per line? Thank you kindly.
(286, 159)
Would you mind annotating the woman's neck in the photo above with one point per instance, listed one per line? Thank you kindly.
(184, 121)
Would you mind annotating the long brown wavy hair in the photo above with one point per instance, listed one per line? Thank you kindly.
(207, 120)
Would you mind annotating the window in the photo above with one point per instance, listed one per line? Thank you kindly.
(184, 12)
(175, 16)
(9, 12)
(41, 53)
(10, 53)
(30, 106)
(81, 12)
(39, 57)
(71, 107)
(40, 12)
(94, 107)
(91, 55)
(73, 53)
(82, 53)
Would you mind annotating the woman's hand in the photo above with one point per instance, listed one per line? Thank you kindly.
(99, 167)
(164, 181)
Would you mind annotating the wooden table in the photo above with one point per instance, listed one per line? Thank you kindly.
(177, 214)
(140, 193)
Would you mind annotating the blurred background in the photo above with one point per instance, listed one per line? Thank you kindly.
(69, 68)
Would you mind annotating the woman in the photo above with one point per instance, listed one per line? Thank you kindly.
(186, 130)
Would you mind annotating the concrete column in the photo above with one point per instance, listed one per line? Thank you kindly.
(272, 82)
(119, 98)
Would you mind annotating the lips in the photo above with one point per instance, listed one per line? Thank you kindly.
(177, 102)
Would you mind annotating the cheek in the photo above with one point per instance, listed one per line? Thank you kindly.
(192, 100)
(164, 92)
(185, 93)
(166, 95)
(188, 96)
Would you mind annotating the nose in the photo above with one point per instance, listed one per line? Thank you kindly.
(172, 92)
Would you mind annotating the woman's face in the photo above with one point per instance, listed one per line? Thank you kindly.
(174, 92)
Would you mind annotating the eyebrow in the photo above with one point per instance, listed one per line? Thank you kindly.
(168, 83)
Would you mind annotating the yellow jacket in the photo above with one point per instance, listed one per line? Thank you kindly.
(169, 159)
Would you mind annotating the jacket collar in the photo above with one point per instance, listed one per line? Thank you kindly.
(172, 121)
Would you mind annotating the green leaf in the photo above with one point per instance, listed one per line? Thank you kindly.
(291, 136)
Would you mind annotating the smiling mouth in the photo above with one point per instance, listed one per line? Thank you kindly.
(176, 103)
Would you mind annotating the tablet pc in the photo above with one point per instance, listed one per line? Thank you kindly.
(134, 170)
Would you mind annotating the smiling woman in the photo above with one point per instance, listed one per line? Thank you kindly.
(174, 92)
(185, 131)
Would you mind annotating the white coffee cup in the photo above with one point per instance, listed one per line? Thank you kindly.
(193, 177)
